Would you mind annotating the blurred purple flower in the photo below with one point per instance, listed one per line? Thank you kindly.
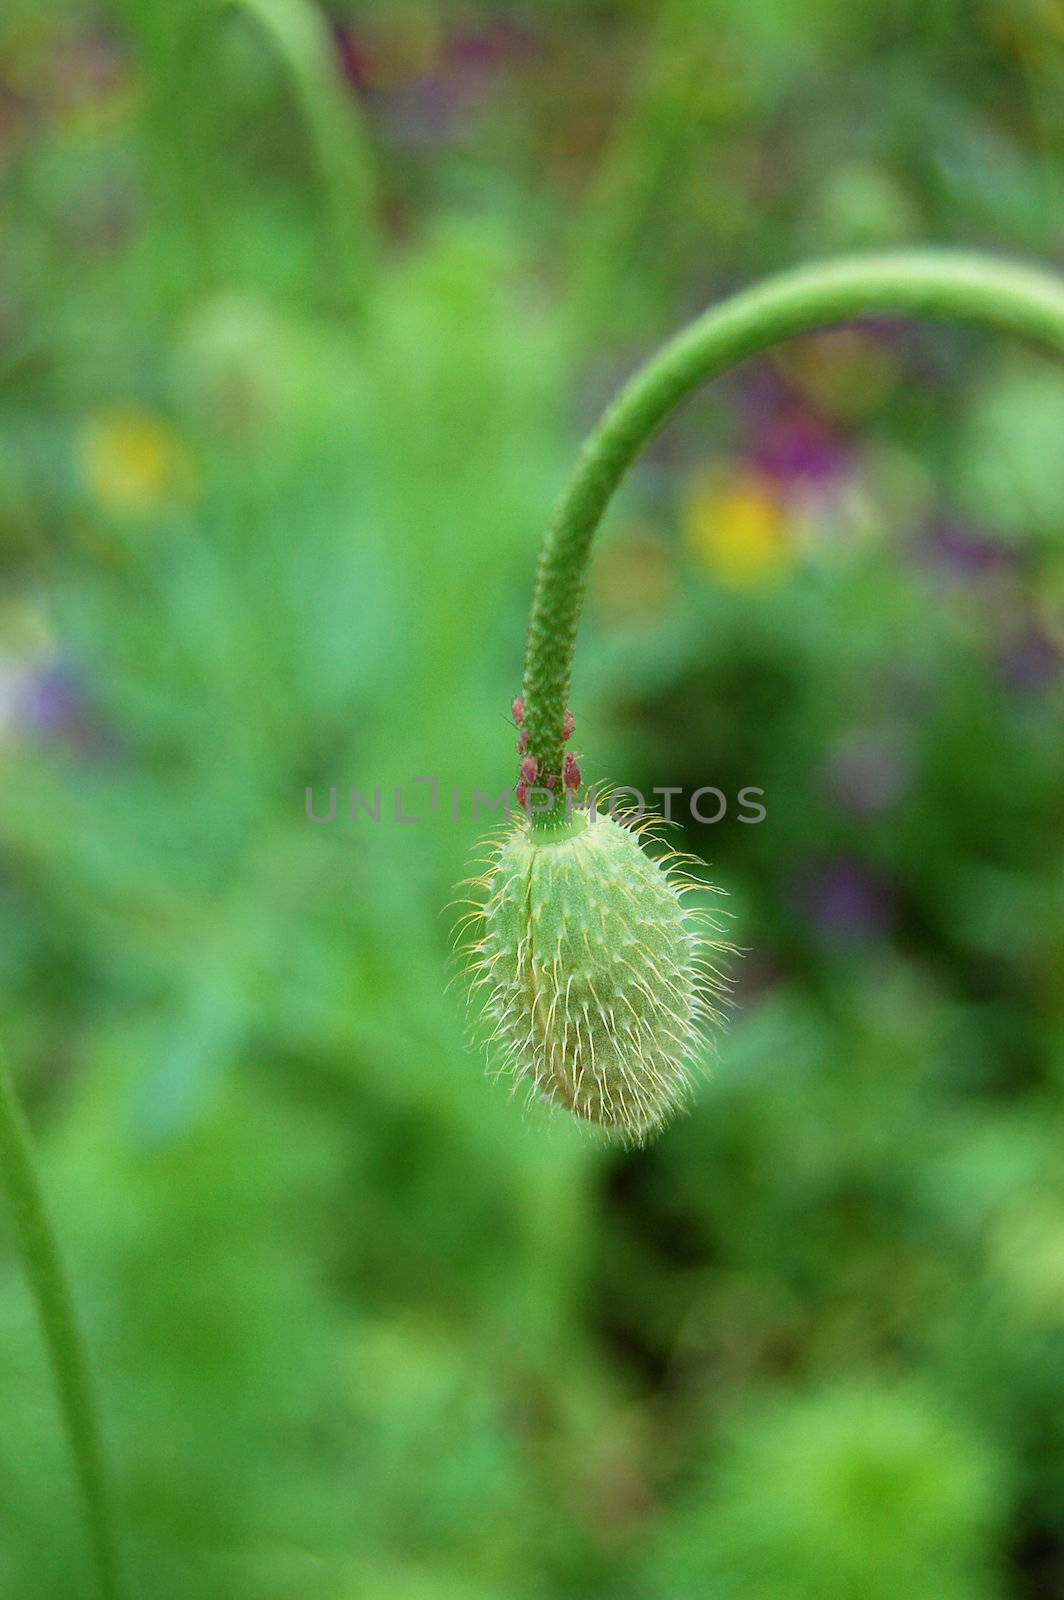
(785, 439)
(1030, 662)
(493, 45)
(798, 450)
(49, 700)
(427, 83)
(850, 903)
(425, 111)
(867, 770)
(965, 551)
(49, 703)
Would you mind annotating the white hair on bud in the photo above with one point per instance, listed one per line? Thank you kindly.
(593, 971)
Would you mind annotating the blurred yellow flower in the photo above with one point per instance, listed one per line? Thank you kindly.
(132, 462)
(737, 528)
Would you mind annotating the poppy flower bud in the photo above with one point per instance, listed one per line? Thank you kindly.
(594, 972)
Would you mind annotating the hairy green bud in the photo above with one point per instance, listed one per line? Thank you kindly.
(593, 974)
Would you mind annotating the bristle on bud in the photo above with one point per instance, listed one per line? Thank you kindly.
(593, 973)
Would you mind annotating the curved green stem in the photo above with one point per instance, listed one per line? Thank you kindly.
(1017, 300)
(300, 39)
(66, 1352)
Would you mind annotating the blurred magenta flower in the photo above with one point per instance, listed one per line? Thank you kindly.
(786, 439)
(493, 44)
(797, 449)
(352, 53)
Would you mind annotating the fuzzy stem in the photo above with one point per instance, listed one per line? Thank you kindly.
(66, 1351)
(944, 285)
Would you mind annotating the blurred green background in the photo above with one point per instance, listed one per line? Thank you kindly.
(303, 311)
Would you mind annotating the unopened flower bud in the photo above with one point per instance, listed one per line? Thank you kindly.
(594, 972)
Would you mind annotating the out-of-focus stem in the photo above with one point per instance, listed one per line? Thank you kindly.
(62, 1337)
(299, 35)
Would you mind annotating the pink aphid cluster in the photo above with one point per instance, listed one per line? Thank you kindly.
(529, 769)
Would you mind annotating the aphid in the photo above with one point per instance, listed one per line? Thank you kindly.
(572, 772)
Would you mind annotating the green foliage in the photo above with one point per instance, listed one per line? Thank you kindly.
(363, 1326)
(859, 1492)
